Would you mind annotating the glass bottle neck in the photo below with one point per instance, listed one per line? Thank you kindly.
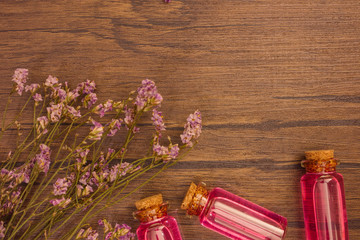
(152, 213)
(320, 165)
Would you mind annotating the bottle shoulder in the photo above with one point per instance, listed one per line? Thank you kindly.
(317, 175)
(310, 178)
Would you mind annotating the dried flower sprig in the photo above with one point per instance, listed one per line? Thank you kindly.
(45, 183)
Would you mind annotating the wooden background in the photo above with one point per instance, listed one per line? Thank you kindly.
(272, 78)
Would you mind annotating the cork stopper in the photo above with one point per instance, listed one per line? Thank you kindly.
(150, 208)
(195, 199)
(319, 161)
(189, 196)
(319, 155)
(149, 202)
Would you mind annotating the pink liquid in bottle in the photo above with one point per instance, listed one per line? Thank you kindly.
(155, 223)
(233, 216)
(323, 198)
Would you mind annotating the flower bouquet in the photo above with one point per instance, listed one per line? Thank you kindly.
(55, 174)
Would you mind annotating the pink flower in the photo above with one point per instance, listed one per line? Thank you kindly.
(2, 229)
(147, 94)
(160, 150)
(84, 178)
(37, 97)
(89, 100)
(96, 131)
(42, 123)
(55, 111)
(129, 116)
(114, 126)
(101, 109)
(19, 78)
(157, 119)
(32, 87)
(81, 155)
(73, 113)
(88, 234)
(51, 81)
(70, 96)
(61, 93)
(174, 151)
(192, 129)
(119, 170)
(87, 87)
(43, 158)
(62, 202)
(61, 185)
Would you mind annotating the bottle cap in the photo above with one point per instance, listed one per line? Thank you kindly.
(319, 161)
(189, 196)
(319, 155)
(195, 199)
(149, 202)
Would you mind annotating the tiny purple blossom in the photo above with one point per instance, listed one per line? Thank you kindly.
(20, 77)
(174, 151)
(147, 94)
(81, 155)
(37, 97)
(84, 178)
(73, 112)
(192, 129)
(51, 81)
(32, 87)
(157, 119)
(108, 105)
(160, 150)
(62, 202)
(88, 234)
(87, 87)
(119, 170)
(61, 185)
(2, 229)
(89, 100)
(61, 93)
(42, 123)
(43, 158)
(114, 126)
(108, 236)
(70, 96)
(129, 116)
(55, 111)
(101, 109)
(96, 131)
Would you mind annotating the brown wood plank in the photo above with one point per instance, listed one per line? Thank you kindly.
(272, 78)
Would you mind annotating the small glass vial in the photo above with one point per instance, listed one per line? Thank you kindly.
(323, 197)
(233, 216)
(155, 224)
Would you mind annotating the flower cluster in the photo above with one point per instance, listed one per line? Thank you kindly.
(2, 229)
(88, 234)
(192, 129)
(157, 119)
(147, 95)
(84, 171)
(119, 232)
(166, 153)
(42, 159)
(19, 78)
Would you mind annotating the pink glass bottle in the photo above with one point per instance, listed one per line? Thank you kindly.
(233, 216)
(323, 197)
(155, 224)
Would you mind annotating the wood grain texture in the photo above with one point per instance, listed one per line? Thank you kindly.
(272, 78)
